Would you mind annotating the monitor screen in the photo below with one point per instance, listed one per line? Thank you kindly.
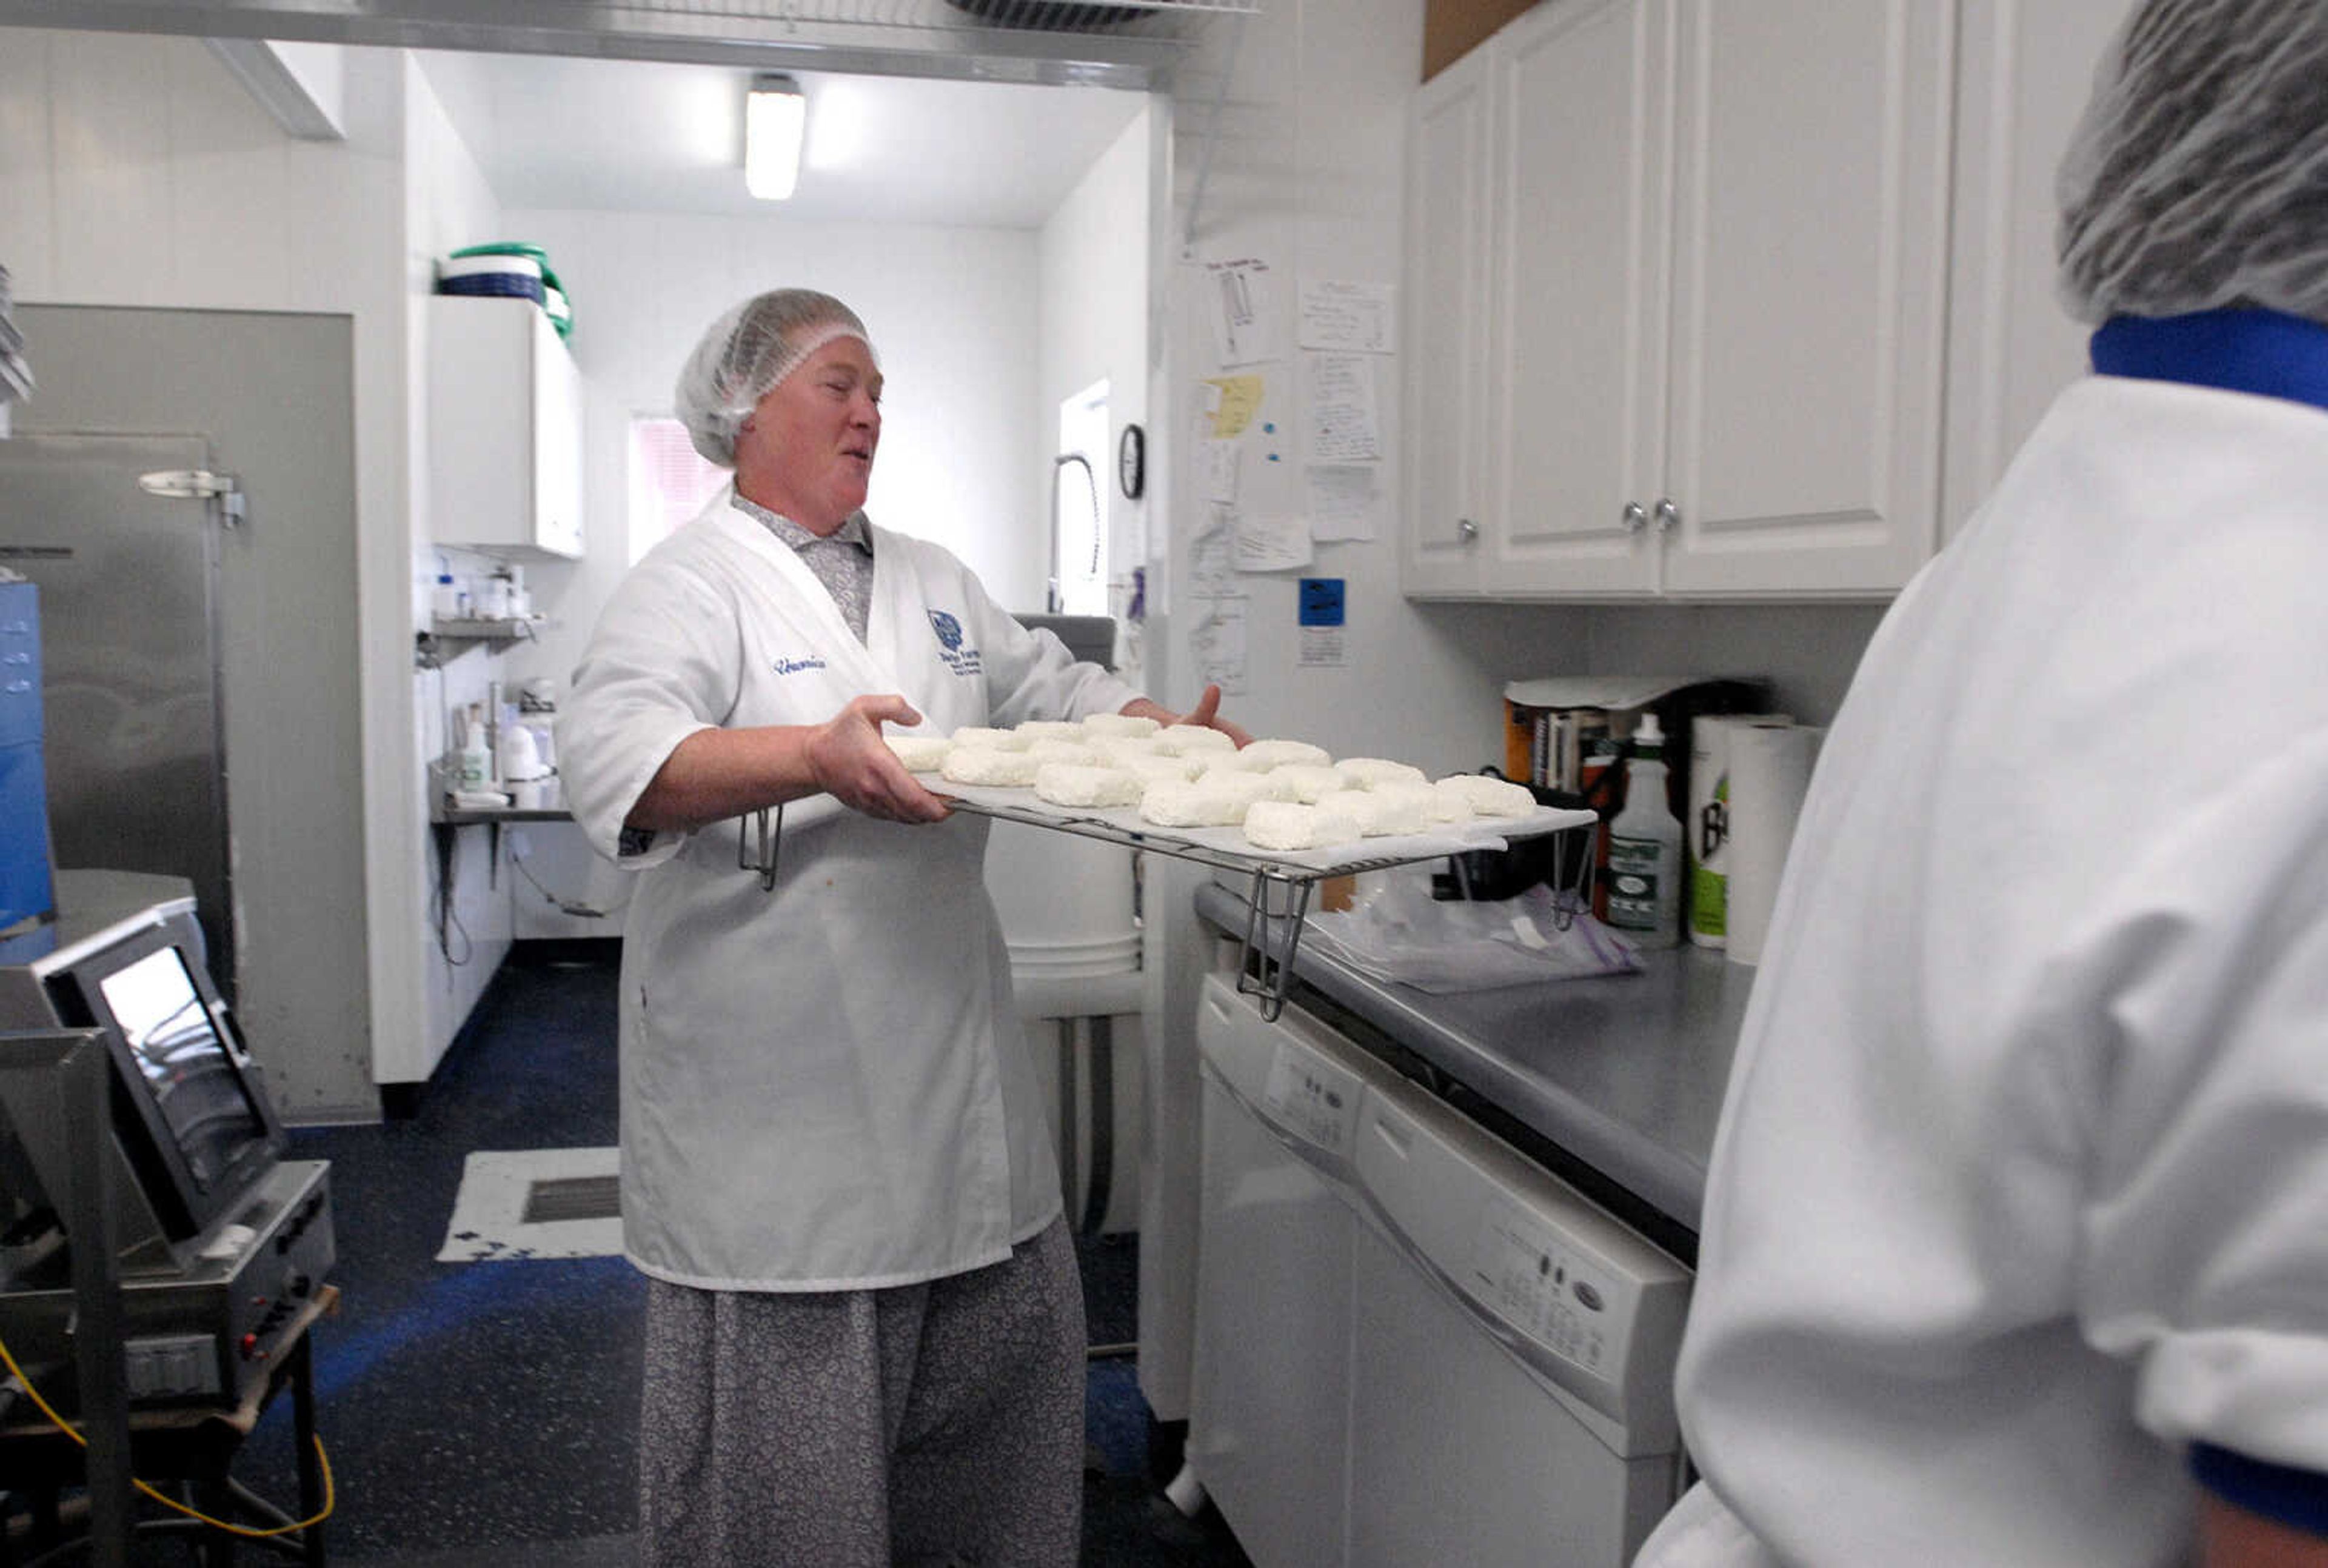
(194, 1083)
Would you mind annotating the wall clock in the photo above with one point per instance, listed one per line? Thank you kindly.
(1131, 461)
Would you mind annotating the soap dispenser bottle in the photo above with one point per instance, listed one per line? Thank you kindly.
(1645, 848)
(476, 766)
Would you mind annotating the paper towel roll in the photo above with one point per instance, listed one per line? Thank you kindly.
(1708, 821)
(1769, 773)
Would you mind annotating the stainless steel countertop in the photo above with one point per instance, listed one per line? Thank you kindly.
(1625, 1074)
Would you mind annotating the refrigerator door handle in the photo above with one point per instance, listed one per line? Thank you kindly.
(198, 483)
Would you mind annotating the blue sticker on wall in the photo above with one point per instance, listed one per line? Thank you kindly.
(1321, 601)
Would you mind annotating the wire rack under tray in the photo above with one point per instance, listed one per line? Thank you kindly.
(1288, 879)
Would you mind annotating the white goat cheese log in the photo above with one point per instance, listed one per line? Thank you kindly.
(1371, 772)
(1051, 729)
(1045, 749)
(1120, 726)
(1158, 769)
(1310, 781)
(992, 740)
(1170, 803)
(1488, 797)
(1249, 787)
(920, 753)
(1268, 753)
(1290, 825)
(984, 765)
(1067, 784)
(1380, 813)
(1177, 738)
(1437, 806)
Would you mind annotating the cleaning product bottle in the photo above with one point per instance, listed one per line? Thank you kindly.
(1645, 848)
(477, 754)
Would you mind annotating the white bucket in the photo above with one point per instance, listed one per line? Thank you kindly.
(1064, 901)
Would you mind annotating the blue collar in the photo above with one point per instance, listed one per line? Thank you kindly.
(2264, 351)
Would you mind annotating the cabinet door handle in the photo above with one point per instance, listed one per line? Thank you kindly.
(1637, 517)
(1668, 515)
(1467, 529)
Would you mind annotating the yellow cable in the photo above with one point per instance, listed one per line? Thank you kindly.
(168, 1502)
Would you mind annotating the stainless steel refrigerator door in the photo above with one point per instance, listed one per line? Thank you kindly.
(128, 586)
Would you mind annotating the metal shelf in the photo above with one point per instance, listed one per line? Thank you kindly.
(447, 639)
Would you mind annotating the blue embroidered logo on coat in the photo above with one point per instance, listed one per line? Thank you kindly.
(961, 660)
(794, 666)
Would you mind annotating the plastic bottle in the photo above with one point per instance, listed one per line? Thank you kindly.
(492, 597)
(476, 757)
(1645, 848)
(445, 600)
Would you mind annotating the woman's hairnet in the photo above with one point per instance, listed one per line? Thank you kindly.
(749, 350)
(2199, 178)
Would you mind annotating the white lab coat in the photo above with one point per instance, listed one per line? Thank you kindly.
(2022, 1181)
(824, 1086)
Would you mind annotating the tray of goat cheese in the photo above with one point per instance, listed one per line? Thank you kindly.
(1276, 808)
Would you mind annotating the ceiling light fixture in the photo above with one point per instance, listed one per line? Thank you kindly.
(776, 121)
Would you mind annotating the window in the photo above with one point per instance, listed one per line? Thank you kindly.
(670, 481)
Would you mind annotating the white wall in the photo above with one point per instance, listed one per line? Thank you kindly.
(447, 205)
(1306, 174)
(1095, 322)
(136, 172)
(954, 317)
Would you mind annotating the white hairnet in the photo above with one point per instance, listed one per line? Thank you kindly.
(749, 350)
(2199, 178)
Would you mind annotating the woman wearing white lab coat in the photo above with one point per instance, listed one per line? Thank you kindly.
(2015, 1248)
(864, 1335)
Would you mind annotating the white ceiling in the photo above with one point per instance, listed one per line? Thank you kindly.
(632, 136)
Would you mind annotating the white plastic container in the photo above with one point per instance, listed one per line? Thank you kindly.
(477, 765)
(1645, 861)
(493, 598)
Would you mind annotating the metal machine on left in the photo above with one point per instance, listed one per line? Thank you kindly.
(220, 1242)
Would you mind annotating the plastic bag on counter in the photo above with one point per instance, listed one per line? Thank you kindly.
(1395, 931)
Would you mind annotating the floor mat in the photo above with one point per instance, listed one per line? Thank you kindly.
(535, 1203)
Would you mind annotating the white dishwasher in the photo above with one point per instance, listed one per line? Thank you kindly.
(1413, 1345)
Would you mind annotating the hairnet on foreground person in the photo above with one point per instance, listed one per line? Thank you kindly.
(865, 1333)
(2015, 1248)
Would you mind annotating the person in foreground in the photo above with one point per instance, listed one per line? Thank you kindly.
(2015, 1249)
(865, 1333)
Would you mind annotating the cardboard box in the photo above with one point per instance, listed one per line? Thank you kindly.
(1451, 29)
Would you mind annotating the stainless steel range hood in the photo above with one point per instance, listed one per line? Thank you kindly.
(1124, 43)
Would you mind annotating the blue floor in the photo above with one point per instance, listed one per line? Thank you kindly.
(484, 1411)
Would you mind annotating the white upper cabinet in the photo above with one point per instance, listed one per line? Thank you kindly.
(1810, 292)
(1584, 139)
(1446, 336)
(2012, 348)
(1717, 241)
(504, 429)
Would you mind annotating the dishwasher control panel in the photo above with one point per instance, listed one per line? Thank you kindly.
(1526, 1273)
(1569, 1290)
